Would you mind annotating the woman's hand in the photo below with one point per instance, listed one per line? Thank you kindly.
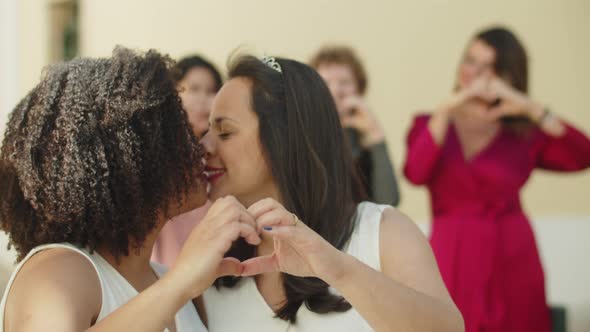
(298, 250)
(513, 102)
(356, 115)
(478, 92)
(201, 259)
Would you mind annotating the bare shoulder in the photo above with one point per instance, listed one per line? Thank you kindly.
(406, 255)
(56, 289)
(397, 229)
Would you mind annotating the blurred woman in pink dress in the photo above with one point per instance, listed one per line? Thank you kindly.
(474, 153)
(197, 81)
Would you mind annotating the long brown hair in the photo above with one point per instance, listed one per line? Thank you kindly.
(511, 65)
(311, 163)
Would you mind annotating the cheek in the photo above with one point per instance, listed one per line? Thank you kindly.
(349, 89)
(251, 162)
(333, 87)
(250, 170)
(189, 103)
(466, 74)
(194, 120)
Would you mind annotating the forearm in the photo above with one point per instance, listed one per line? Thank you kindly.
(547, 122)
(150, 310)
(439, 123)
(388, 305)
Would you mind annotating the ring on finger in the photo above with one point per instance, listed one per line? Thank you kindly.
(295, 219)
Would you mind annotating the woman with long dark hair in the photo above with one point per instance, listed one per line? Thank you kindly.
(474, 153)
(326, 261)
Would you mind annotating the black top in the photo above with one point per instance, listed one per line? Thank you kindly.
(376, 170)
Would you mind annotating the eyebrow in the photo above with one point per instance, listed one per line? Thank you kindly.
(217, 121)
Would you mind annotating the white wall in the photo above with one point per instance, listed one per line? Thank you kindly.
(9, 94)
(9, 64)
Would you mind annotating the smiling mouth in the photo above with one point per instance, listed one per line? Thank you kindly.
(213, 174)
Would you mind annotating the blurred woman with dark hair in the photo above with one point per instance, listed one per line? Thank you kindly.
(474, 153)
(197, 81)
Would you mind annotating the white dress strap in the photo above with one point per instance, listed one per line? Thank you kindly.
(115, 289)
(31, 253)
(364, 242)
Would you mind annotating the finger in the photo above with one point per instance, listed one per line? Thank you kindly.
(277, 217)
(262, 206)
(222, 204)
(287, 233)
(229, 266)
(230, 215)
(249, 233)
(246, 218)
(259, 265)
(232, 211)
(215, 208)
(350, 102)
(347, 122)
(359, 106)
(230, 233)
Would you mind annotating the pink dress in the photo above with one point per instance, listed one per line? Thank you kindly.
(481, 237)
(173, 235)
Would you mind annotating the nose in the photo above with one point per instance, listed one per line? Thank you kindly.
(208, 145)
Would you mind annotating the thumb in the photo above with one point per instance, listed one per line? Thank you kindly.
(259, 265)
(229, 266)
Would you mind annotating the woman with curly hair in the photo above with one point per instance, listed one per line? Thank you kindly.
(95, 159)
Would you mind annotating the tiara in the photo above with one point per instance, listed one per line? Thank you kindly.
(272, 63)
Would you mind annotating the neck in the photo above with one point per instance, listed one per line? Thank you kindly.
(468, 122)
(137, 264)
(270, 191)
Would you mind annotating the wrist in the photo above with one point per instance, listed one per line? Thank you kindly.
(449, 105)
(537, 113)
(180, 286)
(343, 265)
(372, 137)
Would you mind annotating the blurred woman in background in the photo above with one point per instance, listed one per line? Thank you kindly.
(347, 79)
(197, 81)
(474, 153)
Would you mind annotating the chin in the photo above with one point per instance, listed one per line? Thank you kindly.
(214, 194)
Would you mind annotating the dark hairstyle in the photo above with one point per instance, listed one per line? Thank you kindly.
(184, 65)
(342, 55)
(94, 153)
(511, 64)
(311, 163)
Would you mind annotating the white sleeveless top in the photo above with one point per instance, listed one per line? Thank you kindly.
(116, 290)
(242, 308)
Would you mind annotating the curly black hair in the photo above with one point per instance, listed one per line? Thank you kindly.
(95, 152)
